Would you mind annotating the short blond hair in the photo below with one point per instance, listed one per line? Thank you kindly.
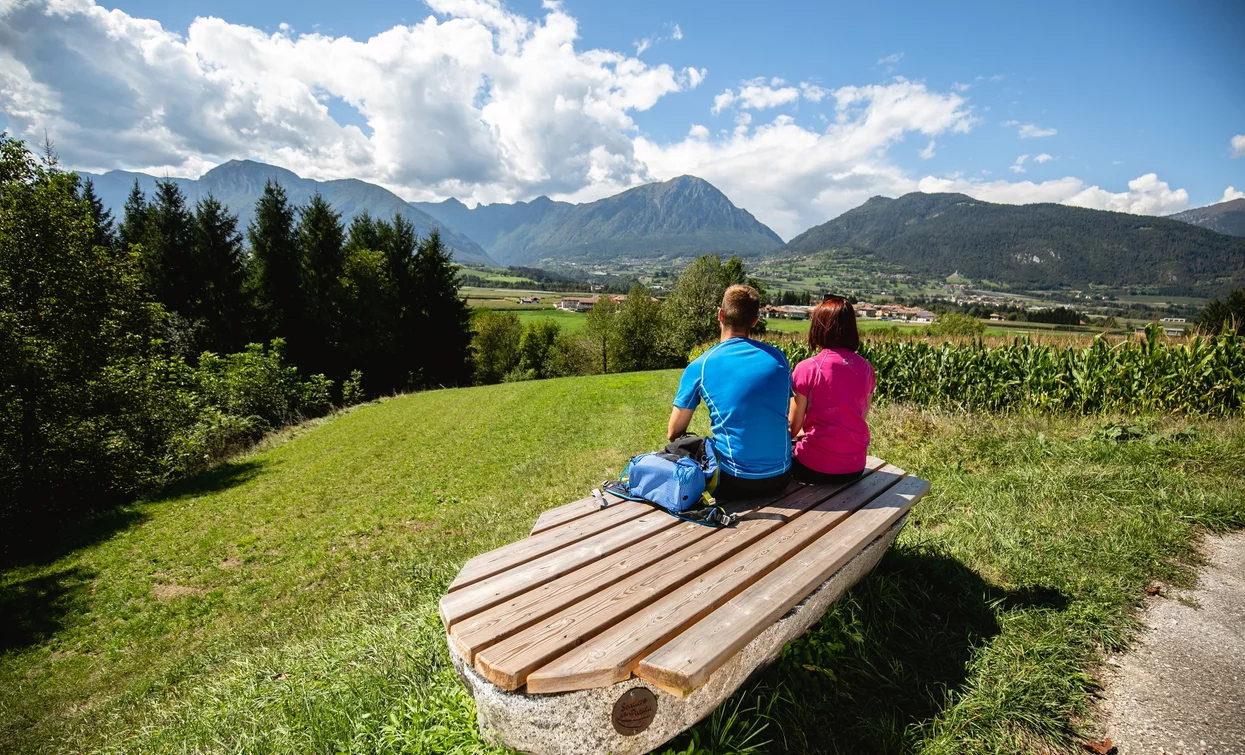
(740, 307)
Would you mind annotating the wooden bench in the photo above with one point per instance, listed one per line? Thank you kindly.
(612, 630)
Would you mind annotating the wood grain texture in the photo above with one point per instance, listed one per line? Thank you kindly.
(508, 662)
(686, 662)
(569, 512)
(611, 655)
(508, 556)
(495, 624)
(460, 604)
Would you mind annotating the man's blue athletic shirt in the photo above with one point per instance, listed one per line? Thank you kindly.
(746, 385)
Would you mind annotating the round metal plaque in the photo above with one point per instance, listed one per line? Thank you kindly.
(634, 711)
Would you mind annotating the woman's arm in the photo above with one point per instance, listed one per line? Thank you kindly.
(795, 418)
(679, 420)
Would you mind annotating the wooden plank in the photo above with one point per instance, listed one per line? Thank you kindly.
(685, 663)
(611, 655)
(486, 593)
(490, 626)
(508, 662)
(569, 512)
(521, 551)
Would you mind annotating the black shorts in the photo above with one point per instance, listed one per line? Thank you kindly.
(734, 488)
(808, 476)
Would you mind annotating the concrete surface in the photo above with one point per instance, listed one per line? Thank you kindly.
(581, 723)
(1181, 689)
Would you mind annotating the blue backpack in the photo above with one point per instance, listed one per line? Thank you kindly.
(675, 479)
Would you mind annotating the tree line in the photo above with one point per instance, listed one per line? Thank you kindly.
(134, 352)
(620, 334)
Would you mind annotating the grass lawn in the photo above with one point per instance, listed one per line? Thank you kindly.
(570, 322)
(286, 602)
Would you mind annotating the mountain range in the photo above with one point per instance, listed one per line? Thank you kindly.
(682, 217)
(1225, 217)
(239, 183)
(1032, 246)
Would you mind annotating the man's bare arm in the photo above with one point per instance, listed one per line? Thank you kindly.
(679, 420)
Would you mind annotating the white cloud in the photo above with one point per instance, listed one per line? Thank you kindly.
(475, 101)
(1231, 193)
(928, 152)
(792, 177)
(1018, 166)
(722, 101)
(1146, 195)
(643, 44)
(1238, 145)
(891, 59)
(1042, 158)
(959, 87)
(1030, 131)
(812, 92)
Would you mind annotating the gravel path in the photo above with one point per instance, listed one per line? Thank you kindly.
(1181, 690)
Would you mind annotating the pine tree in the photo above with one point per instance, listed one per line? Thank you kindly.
(221, 261)
(133, 228)
(321, 244)
(441, 317)
(105, 232)
(276, 271)
(168, 251)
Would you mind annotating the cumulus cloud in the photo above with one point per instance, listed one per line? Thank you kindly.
(890, 62)
(1030, 131)
(1231, 193)
(1042, 158)
(1238, 145)
(474, 101)
(1018, 166)
(1146, 195)
(791, 176)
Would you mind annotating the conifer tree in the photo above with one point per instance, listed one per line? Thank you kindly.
(276, 271)
(133, 227)
(442, 317)
(221, 261)
(168, 251)
(105, 231)
(321, 245)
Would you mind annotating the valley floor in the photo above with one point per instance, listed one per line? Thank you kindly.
(286, 601)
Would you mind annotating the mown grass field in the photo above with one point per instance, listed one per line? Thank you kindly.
(286, 602)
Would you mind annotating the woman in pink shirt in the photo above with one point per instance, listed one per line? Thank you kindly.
(833, 389)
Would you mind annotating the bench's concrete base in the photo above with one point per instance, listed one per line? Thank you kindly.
(581, 723)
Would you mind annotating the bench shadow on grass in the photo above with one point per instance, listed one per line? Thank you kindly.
(882, 661)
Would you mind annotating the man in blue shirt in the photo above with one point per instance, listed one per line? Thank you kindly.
(746, 385)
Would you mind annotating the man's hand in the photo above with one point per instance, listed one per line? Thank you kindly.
(679, 420)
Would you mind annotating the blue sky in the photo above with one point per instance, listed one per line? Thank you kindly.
(1127, 106)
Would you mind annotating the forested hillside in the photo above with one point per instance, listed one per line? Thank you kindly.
(683, 217)
(238, 184)
(1224, 217)
(1033, 246)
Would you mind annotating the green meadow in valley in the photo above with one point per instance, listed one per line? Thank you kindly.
(285, 602)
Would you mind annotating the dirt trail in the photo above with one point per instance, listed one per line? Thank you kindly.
(1181, 689)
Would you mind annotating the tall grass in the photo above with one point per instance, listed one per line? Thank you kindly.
(1201, 376)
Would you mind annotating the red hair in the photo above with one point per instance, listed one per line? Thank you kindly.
(833, 325)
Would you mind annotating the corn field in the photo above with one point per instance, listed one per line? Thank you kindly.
(1203, 376)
